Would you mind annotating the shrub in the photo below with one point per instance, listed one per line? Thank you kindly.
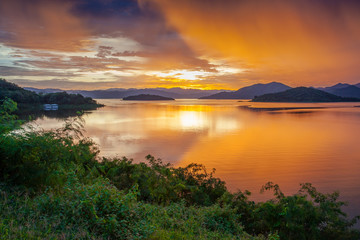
(80, 211)
(161, 183)
(8, 121)
(305, 215)
(99, 207)
(38, 159)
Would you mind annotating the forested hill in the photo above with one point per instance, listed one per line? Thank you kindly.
(16, 93)
(302, 94)
(250, 92)
(22, 96)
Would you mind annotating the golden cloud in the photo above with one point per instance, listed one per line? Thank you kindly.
(295, 39)
(43, 25)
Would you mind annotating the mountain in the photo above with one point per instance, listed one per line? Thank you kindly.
(46, 90)
(16, 93)
(357, 85)
(350, 91)
(147, 97)
(343, 90)
(250, 91)
(333, 88)
(303, 94)
(118, 93)
(23, 96)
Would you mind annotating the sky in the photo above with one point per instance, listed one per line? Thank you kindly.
(205, 44)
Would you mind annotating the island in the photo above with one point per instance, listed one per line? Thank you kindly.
(302, 94)
(147, 97)
(250, 92)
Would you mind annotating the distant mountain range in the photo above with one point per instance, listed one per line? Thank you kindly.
(147, 97)
(341, 89)
(250, 91)
(303, 94)
(177, 93)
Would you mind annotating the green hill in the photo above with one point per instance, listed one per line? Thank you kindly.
(16, 93)
(24, 97)
(302, 94)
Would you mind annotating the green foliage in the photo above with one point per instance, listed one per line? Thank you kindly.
(8, 121)
(38, 159)
(16, 93)
(161, 183)
(178, 221)
(305, 215)
(5, 85)
(99, 207)
(100, 211)
(97, 210)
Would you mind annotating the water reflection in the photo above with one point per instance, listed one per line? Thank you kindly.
(191, 120)
(135, 130)
(35, 114)
(316, 144)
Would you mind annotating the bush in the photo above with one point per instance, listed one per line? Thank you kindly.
(161, 183)
(39, 159)
(93, 211)
(305, 215)
(99, 207)
(8, 121)
(178, 221)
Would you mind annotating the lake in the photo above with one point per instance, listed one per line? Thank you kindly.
(318, 144)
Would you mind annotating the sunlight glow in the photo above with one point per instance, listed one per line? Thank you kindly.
(192, 120)
(196, 75)
(223, 70)
(182, 74)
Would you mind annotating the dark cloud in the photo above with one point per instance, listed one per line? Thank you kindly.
(20, 71)
(98, 83)
(77, 63)
(129, 54)
(106, 9)
(42, 24)
(104, 51)
(61, 83)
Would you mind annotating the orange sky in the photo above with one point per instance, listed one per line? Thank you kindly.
(213, 44)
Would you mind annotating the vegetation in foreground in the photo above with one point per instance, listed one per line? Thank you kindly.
(55, 186)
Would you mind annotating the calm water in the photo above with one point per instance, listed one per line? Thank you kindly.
(247, 148)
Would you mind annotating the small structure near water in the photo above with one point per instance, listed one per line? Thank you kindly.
(51, 107)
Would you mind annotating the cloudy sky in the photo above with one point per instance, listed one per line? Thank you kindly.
(208, 44)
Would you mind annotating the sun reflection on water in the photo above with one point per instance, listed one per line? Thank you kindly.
(192, 120)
